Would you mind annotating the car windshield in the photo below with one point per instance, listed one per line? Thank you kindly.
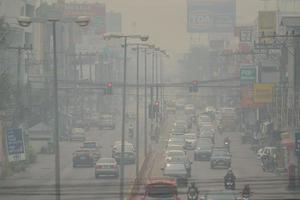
(220, 153)
(176, 154)
(106, 160)
(90, 145)
(190, 136)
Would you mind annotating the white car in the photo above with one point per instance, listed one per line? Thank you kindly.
(266, 151)
(190, 141)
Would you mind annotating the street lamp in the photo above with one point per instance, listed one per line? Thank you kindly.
(119, 36)
(137, 49)
(25, 21)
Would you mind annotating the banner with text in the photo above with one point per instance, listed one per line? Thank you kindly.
(263, 93)
(205, 16)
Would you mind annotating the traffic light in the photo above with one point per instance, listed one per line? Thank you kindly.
(194, 86)
(108, 89)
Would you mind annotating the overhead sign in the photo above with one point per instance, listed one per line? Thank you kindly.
(263, 93)
(247, 74)
(267, 25)
(15, 144)
(210, 16)
(297, 142)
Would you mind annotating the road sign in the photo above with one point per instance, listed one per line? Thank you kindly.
(15, 144)
(248, 74)
(297, 142)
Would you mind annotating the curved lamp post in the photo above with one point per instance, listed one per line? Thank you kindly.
(25, 21)
(125, 37)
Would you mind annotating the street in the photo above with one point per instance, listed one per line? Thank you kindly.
(245, 165)
(37, 182)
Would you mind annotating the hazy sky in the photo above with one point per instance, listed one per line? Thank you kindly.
(165, 20)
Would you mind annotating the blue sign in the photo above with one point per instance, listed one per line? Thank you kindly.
(297, 142)
(15, 144)
(211, 16)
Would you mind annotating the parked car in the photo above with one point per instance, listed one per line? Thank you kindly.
(106, 167)
(83, 158)
(220, 157)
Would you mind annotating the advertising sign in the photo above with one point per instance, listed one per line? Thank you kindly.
(204, 16)
(247, 97)
(15, 144)
(266, 25)
(263, 93)
(297, 142)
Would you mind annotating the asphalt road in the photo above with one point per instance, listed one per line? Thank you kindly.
(246, 167)
(37, 182)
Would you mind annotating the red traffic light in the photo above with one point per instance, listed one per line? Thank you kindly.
(195, 82)
(109, 84)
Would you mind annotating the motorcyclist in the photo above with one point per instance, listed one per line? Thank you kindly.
(193, 192)
(246, 191)
(227, 143)
(229, 177)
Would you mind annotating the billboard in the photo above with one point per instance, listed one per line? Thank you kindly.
(95, 11)
(266, 25)
(15, 144)
(205, 16)
(263, 93)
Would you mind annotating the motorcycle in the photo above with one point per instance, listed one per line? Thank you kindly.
(230, 184)
(192, 194)
(227, 145)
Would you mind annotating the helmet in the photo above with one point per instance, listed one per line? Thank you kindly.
(229, 170)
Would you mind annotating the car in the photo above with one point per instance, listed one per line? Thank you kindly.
(163, 189)
(118, 144)
(190, 141)
(174, 147)
(220, 157)
(177, 171)
(176, 141)
(106, 167)
(107, 122)
(177, 156)
(203, 151)
(95, 149)
(83, 158)
(221, 195)
(77, 134)
(129, 154)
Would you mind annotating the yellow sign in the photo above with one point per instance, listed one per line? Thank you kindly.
(266, 25)
(263, 93)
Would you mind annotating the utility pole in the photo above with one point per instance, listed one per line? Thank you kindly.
(137, 112)
(19, 92)
(145, 109)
